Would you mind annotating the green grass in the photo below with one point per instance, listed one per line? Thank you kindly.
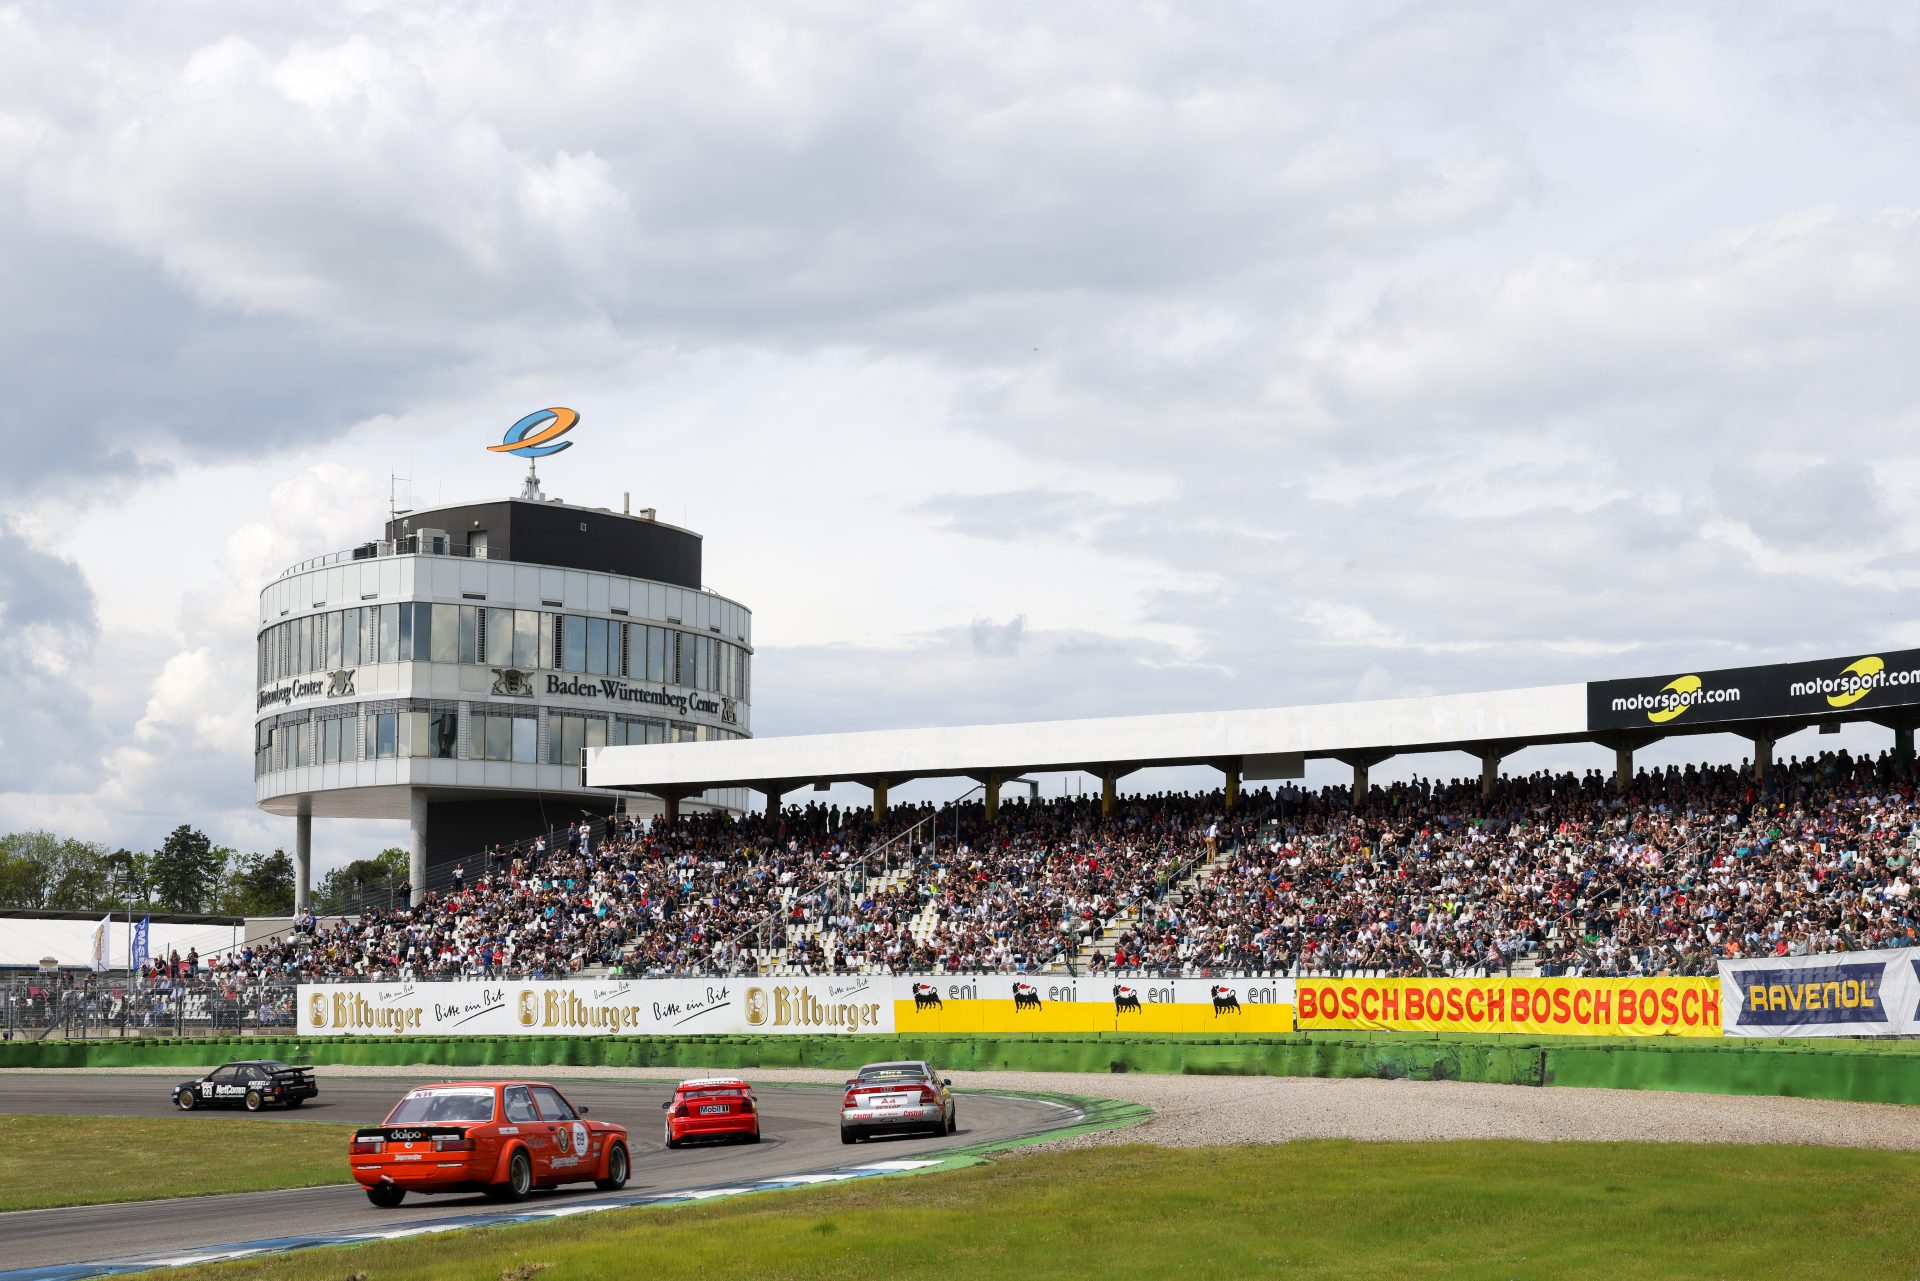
(1319, 1209)
(89, 1160)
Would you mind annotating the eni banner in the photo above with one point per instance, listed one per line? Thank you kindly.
(1839, 994)
(1540, 1007)
(608, 1007)
(1002, 1003)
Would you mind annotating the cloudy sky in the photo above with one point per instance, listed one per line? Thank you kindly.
(1015, 362)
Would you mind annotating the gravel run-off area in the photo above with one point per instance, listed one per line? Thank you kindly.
(1200, 1111)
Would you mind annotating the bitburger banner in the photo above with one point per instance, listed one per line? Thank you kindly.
(1816, 688)
(1839, 994)
(605, 1007)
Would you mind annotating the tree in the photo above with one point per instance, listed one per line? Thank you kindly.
(365, 882)
(258, 885)
(57, 873)
(182, 874)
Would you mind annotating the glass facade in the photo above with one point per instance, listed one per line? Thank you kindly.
(529, 639)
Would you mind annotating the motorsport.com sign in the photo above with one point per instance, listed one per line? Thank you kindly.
(1812, 689)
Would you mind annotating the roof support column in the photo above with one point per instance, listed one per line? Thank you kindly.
(879, 800)
(303, 861)
(1624, 746)
(1903, 747)
(990, 791)
(1110, 776)
(1762, 755)
(1361, 762)
(1233, 788)
(417, 845)
(670, 806)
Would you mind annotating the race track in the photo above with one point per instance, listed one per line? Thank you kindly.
(800, 1127)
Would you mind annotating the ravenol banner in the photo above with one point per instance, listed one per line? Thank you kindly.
(1840, 994)
(1540, 1007)
(607, 1007)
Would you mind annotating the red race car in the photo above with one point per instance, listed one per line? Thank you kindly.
(712, 1107)
(503, 1138)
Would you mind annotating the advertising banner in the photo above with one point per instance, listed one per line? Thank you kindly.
(1541, 1007)
(1816, 688)
(1001, 1003)
(605, 1007)
(1840, 994)
(992, 1004)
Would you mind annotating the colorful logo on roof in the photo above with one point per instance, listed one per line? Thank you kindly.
(533, 436)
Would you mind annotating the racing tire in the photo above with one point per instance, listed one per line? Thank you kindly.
(618, 1168)
(848, 1136)
(953, 1121)
(386, 1196)
(255, 1101)
(519, 1178)
(186, 1100)
(753, 1137)
(667, 1133)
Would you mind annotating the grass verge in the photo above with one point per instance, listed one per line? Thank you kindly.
(91, 1160)
(1318, 1209)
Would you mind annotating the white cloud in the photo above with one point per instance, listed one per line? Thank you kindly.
(1014, 363)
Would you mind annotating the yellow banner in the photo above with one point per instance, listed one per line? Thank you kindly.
(1541, 1007)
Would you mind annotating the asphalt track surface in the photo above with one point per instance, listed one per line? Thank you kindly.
(799, 1126)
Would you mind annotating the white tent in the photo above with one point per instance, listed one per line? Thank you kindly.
(25, 941)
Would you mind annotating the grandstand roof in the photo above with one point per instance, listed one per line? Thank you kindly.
(1274, 742)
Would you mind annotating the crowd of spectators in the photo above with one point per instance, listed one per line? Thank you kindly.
(1557, 873)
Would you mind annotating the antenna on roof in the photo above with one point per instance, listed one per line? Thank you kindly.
(394, 510)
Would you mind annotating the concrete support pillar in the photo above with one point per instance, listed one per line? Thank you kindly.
(773, 801)
(417, 847)
(669, 808)
(879, 800)
(1109, 794)
(1623, 767)
(1361, 762)
(990, 790)
(1762, 757)
(1232, 773)
(302, 862)
(1903, 746)
(1490, 772)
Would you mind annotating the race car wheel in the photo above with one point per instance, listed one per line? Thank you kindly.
(386, 1195)
(519, 1177)
(255, 1101)
(953, 1120)
(187, 1100)
(754, 1136)
(671, 1141)
(617, 1169)
(848, 1136)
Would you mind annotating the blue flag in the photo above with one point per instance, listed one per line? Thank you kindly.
(137, 954)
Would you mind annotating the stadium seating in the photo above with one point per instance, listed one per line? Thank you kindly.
(1549, 874)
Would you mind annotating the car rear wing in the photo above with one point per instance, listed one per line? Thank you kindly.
(293, 1074)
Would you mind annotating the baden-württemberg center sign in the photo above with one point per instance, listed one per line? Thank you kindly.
(451, 672)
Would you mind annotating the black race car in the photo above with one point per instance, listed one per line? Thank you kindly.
(251, 1083)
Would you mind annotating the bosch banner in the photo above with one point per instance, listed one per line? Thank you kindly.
(1840, 994)
(1821, 687)
(1540, 1007)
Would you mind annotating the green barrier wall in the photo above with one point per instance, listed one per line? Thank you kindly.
(1878, 1072)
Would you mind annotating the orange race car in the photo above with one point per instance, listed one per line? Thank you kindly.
(503, 1138)
(712, 1107)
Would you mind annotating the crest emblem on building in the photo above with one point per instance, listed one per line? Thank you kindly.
(728, 713)
(511, 682)
(340, 683)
